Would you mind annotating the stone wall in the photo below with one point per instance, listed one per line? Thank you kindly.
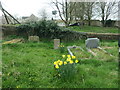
(8, 30)
(73, 35)
(66, 35)
(104, 36)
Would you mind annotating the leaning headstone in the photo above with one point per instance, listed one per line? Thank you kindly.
(33, 38)
(92, 42)
(56, 43)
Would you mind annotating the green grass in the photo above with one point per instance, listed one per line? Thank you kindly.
(94, 29)
(30, 65)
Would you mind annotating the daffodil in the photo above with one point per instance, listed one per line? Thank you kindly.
(56, 66)
(58, 61)
(55, 63)
(68, 56)
(73, 57)
(76, 61)
(71, 62)
(61, 62)
(68, 59)
(63, 56)
(65, 62)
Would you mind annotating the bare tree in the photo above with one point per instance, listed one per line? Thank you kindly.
(43, 14)
(89, 6)
(107, 9)
(64, 9)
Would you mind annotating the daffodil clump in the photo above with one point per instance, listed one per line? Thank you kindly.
(62, 48)
(67, 59)
(66, 66)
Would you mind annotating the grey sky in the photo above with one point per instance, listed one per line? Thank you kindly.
(28, 7)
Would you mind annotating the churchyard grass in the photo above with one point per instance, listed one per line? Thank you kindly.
(94, 29)
(30, 65)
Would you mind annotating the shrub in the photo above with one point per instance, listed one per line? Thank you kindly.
(24, 30)
(109, 23)
(48, 29)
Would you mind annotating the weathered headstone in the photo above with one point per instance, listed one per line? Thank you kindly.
(92, 43)
(56, 43)
(33, 38)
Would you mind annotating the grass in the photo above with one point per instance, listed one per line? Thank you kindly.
(94, 29)
(30, 65)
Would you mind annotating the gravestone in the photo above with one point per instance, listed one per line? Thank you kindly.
(56, 43)
(33, 38)
(92, 43)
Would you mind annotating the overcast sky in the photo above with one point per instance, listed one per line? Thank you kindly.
(27, 7)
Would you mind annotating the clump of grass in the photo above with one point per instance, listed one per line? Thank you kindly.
(62, 48)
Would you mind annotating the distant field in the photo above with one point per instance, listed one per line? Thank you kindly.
(94, 29)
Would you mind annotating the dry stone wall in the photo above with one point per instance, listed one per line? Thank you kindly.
(66, 35)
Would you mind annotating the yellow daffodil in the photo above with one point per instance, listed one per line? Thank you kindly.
(65, 63)
(63, 56)
(58, 61)
(68, 59)
(73, 57)
(56, 66)
(68, 56)
(61, 62)
(55, 63)
(76, 61)
(71, 62)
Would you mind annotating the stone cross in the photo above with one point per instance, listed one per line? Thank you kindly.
(56, 43)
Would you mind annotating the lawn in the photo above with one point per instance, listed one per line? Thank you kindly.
(30, 65)
(94, 29)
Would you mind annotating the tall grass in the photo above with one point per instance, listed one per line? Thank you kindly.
(30, 65)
